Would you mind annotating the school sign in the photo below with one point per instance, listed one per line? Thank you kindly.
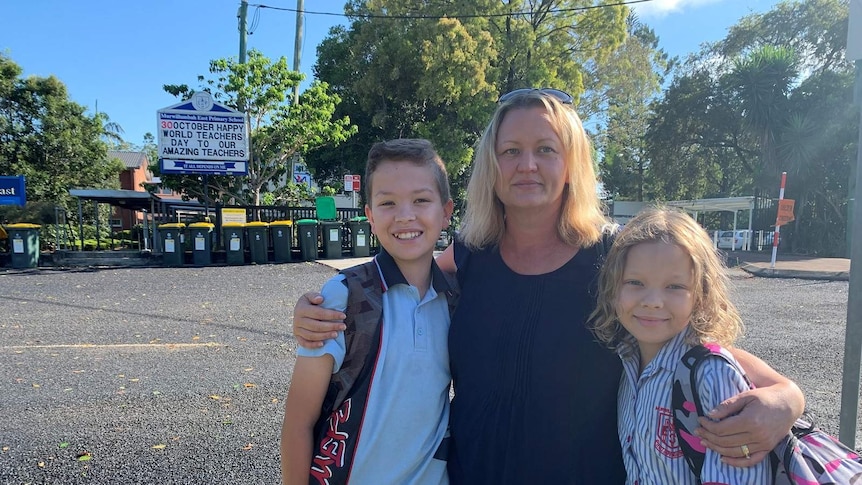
(200, 136)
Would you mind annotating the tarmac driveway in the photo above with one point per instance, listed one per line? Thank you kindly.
(178, 375)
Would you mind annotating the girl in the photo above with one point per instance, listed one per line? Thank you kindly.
(662, 290)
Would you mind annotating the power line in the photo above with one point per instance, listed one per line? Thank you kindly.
(463, 16)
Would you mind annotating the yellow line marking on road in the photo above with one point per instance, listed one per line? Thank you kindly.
(110, 346)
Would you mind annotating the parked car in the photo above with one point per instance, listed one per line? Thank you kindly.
(731, 239)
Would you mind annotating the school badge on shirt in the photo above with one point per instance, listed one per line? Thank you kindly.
(665, 439)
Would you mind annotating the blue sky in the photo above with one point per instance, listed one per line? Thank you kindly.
(115, 56)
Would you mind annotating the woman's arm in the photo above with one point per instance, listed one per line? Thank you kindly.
(758, 418)
(312, 323)
(308, 387)
(719, 381)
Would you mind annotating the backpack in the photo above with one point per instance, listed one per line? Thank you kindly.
(806, 456)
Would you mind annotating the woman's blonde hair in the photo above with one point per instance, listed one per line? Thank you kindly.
(581, 218)
(714, 317)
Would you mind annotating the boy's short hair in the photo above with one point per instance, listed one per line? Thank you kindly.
(415, 150)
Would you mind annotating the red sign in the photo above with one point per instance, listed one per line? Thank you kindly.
(351, 183)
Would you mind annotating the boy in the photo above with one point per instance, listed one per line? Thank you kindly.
(386, 376)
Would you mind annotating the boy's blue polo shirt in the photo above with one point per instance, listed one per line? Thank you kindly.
(408, 408)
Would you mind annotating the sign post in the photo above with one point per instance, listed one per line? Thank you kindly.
(200, 136)
(784, 206)
(352, 184)
(853, 333)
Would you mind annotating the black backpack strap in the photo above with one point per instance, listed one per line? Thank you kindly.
(362, 336)
(336, 432)
(687, 406)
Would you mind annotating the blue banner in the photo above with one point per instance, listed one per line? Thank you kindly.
(209, 167)
(12, 190)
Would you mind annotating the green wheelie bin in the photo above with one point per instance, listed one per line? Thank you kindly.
(258, 242)
(24, 243)
(330, 232)
(360, 236)
(173, 249)
(200, 234)
(306, 232)
(282, 240)
(234, 244)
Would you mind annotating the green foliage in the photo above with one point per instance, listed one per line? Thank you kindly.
(49, 139)
(626, 82)
(438, 76)
(774, 96)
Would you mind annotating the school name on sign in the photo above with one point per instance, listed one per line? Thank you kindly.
(202, 136)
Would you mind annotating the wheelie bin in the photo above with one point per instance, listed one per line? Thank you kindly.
(234, 244)
(360, 236)
(282, 240)
(173, 249)
(24, 243)
(201, 235)
(258, 242)
(306, 231)
(331, 234)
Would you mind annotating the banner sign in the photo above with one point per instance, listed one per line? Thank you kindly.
(12, 190)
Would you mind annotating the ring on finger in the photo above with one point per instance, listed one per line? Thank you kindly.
(746, 451)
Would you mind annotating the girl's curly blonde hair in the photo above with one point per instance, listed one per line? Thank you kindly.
(714, 317)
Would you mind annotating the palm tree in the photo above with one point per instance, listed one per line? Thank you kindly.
(761, 83)
(111, 131)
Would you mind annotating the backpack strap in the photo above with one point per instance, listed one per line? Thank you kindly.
(336, 432)
(362, 336)
(687, 406)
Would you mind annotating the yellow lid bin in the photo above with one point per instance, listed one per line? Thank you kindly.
(258, 242)
(24, 244)
(173, 237)
(233, 241)
(200, 234)
(281, 233)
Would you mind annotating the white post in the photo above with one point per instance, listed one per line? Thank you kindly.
(777, 227)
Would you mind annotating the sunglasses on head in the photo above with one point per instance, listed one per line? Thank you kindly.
(560, 96)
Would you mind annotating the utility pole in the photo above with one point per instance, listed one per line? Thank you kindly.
(243, 11)
(853, 334)
(297, 45)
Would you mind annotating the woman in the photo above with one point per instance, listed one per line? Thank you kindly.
(535, 395)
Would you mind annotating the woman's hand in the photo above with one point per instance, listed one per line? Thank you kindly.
(312, 324)
(758, 418)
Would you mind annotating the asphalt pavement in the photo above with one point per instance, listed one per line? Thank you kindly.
(178, 375)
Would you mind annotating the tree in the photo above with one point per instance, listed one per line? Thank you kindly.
(627, 82)
(761, 83)
(280, 130)
(49, 139)
(774, 96)
(433, 68)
